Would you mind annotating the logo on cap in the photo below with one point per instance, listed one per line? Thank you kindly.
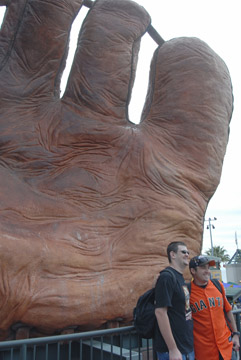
(200, 260)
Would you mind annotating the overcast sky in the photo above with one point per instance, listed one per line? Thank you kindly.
(217, 22)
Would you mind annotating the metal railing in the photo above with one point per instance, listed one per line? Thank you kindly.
(119, 343)
(110, 344)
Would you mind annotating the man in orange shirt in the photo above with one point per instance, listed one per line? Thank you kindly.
(212, 337)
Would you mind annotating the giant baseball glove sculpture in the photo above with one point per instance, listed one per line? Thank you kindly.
(89, 201)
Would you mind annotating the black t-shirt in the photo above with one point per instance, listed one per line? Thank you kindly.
(175, 296)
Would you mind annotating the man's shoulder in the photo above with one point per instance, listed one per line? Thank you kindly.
(212, 283)
(168, 272)
(215, 283)
(167, 269)
(168, 275)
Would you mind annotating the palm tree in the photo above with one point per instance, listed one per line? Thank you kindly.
(219, 252)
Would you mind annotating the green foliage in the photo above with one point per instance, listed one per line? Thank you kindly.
(219, 252)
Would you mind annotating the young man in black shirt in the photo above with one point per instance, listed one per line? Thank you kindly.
(174, 334)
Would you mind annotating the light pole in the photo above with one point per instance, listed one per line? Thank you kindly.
(210, 226)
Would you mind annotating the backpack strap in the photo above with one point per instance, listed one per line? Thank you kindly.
(216, 283)
(166, 270)
(172, 274)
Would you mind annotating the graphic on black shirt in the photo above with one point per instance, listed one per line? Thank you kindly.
(187, 303)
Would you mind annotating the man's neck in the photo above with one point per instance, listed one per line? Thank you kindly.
(176, 267)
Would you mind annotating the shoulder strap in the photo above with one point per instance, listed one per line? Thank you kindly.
(217, 284)
(170, 272)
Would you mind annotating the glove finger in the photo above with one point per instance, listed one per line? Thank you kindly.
(188, 109)
(33, 43)
(9, 28)
(104, 66)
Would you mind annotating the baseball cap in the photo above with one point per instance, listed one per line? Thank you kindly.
(200, 260)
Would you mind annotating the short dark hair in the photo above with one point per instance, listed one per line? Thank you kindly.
(173, 246)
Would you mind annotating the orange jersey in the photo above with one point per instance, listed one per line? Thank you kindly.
(211, 334)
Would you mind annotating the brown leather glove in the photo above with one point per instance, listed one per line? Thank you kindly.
(89, 201)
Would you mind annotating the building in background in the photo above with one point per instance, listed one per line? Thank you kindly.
(215, 270)
(233, 268)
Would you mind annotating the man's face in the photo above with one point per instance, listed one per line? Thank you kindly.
(201, 274)
(182, 256)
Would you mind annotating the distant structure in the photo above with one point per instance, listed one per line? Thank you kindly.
(215, 270)
(233, 268)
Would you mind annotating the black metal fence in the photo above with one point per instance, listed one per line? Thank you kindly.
(111, 344)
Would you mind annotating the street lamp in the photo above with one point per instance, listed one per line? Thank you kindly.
(210, 226)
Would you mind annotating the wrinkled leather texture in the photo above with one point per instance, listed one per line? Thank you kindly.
(89, 201)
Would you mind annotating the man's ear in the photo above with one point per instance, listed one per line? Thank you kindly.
(192, 271)
(172, 254)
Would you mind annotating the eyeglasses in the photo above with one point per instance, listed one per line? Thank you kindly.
(185, 252)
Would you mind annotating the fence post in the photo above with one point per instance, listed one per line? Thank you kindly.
(23, 352)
